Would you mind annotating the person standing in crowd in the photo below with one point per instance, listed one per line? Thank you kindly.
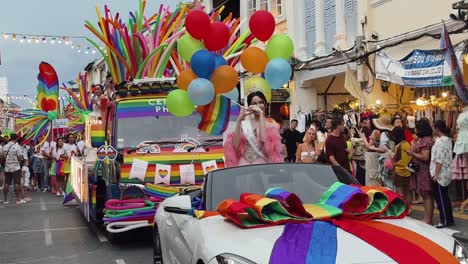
(255, 139)
(60, 157)
(36, 162)
(328, 125)
(46, 150)
(308, 151)
(2, 168)
(335, 145)
(397, 121)
(401, 160)
(13, 155)
(96, 100)
(25, 183)
(421, 181)
(109, 86)
(441, 172)
(291, 138)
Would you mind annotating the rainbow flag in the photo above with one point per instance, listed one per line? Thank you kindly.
(159, 191)
(215, 116)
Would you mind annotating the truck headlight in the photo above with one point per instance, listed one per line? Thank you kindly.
(460, 252)
(227, 258)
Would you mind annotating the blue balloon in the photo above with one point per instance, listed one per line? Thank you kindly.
(201, 91)
(277, 73)
(233, 94)
(219, 61)
(203, 63)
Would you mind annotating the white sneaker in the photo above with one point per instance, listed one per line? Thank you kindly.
(21, 201)
(57, 194)
(5, 202)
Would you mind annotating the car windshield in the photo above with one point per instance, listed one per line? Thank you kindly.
(308, 181)
(139, 120)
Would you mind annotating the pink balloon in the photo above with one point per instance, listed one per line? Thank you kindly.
(217, 37)
(262, 24)
(197, 23)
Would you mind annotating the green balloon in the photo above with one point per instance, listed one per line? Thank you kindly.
(187, 46)
(178, 103)
(280, 46)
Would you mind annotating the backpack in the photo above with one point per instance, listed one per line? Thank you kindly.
(3, 157)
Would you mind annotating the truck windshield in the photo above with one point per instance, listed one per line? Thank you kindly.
(138, 120)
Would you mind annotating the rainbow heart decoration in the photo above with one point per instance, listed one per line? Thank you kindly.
(163, 173)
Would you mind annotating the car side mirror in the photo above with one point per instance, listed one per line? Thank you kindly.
(180, 204)
(176, 210)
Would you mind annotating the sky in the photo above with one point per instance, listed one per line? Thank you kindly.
(20, 61)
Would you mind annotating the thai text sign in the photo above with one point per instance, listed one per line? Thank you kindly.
(420, 68)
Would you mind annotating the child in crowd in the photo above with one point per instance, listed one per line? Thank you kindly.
(25, 177)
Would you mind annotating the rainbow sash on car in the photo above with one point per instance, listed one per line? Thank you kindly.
(310, 232)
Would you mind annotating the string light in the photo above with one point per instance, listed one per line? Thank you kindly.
(52, 40)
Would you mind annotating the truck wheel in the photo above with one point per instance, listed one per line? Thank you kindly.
(157, 251)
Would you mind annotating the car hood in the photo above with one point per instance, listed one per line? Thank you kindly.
(219, 236)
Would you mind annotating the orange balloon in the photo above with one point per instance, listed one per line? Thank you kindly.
(254, 60)
(185, 78)
(224, 79)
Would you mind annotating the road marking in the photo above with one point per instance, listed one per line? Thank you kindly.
(120, 261)
(43, 206)
(101, 237)
(47, 233)
(43, 230)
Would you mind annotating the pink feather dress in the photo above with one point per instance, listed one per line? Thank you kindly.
(245, 155)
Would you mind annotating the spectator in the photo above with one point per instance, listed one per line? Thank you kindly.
(335, 145)
(291, 138)
(421, 181)
(401, 160)
(96, 101)
(308, 151)
(25, 176)
(13, 156)
(441, 172)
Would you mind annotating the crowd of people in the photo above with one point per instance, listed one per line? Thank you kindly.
(385, 152)
(30, 167)
(380, 151)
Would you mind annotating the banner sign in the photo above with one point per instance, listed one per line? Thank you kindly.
(420, 68)
(60, 123)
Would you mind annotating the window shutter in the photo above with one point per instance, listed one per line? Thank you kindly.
(351, 21)
(309, 10)
(329, 23)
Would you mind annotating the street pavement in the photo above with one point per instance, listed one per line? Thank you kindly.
(44, 231)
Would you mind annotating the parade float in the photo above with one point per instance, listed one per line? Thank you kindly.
(176, 76)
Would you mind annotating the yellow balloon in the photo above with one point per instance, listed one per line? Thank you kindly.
(255, 84)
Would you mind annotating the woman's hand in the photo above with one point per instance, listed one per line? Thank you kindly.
(256, 110)
(409, 152)
(245, 111)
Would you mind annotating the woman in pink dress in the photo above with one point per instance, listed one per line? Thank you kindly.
(256, 139)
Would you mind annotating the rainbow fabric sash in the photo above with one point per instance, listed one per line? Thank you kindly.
(307, 238)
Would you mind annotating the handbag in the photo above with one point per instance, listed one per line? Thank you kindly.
(4, 157)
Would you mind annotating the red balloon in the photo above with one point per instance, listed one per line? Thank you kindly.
(262, 24)
(217, 37)
(197, 23)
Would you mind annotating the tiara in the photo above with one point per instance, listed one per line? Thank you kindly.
(264, 89)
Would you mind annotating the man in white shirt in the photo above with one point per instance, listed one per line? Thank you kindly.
(46, 150)
(13, 156)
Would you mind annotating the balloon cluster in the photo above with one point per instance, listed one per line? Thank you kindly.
(272, 63)
(209, 73)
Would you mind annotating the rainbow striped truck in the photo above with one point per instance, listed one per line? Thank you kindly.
(137, 142)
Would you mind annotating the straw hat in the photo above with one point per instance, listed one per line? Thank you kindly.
(383, 123)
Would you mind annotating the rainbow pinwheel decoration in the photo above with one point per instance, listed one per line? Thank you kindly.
(80, 105)
(36, 124)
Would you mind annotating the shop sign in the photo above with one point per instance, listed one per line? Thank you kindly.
(280, 95)
(420, 68)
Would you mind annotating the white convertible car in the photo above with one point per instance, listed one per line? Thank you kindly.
(182, 238)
